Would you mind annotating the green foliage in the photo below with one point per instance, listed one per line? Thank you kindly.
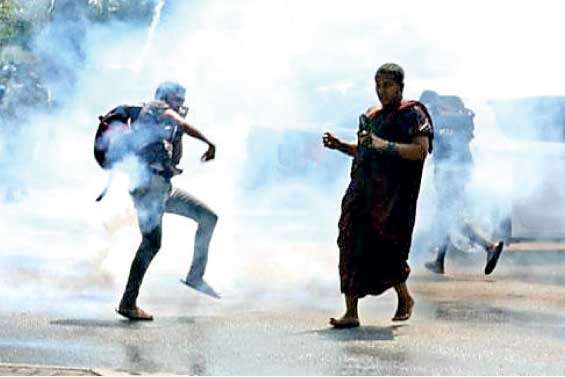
(21, 19)
(7, 7)
(7, 27)
(127, 10)
(18, 19)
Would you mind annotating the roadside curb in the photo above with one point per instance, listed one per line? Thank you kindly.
(535, 246)
(113, 372)
(17, 369)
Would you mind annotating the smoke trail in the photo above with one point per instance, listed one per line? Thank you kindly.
(150, 35)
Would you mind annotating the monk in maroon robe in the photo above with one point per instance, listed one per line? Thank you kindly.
(379, 207)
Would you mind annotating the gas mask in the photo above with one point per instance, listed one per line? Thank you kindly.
(183, 111)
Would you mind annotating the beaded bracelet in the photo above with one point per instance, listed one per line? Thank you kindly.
(390, 148)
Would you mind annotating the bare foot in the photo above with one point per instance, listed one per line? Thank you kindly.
(344, 322)
(404, 310)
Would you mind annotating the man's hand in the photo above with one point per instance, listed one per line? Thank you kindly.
(364, 139)
(330, 141)
(369, 140)
(378, 143)
(209, 154)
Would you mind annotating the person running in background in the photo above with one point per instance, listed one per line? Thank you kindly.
(453, 164)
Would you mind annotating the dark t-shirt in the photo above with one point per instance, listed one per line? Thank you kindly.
(152, 129)
(453, 134)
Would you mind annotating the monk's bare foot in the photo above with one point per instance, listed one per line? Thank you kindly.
(344, 322)
(404, 309)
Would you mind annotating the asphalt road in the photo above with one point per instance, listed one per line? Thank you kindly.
(464, 323)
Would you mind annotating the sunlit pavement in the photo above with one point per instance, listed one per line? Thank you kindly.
(512, 322)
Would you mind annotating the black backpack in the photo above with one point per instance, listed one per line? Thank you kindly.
(117, 122)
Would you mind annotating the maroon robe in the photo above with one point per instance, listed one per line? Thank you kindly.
(379, 206)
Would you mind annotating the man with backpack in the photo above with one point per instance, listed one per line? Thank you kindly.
(153, 135)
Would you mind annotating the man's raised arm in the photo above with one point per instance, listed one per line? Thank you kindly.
(193, 132)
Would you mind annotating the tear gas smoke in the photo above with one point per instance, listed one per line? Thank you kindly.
(264, 81)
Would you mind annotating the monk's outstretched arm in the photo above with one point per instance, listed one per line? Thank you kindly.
(332, 142)
(349, 149)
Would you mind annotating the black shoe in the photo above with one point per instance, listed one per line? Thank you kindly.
(492, 257)
(201, 286)
(435, 267)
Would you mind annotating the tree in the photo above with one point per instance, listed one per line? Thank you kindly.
(19, 19)
(7, 18)
(127, 10)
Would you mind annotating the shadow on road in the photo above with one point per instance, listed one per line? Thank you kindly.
(483, 312)
(123, 323)
(95, 323)
(355, 334)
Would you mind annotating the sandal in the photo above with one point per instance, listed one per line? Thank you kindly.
(134, 314)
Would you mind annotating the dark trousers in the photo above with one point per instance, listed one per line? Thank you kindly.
(151, 201)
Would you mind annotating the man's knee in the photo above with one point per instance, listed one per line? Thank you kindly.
(152, 241)
(209, 219)
(153, 244)
(145, 254)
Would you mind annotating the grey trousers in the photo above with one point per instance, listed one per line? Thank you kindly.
(152, 199)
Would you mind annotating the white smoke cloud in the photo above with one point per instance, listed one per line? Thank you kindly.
(277, 66)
